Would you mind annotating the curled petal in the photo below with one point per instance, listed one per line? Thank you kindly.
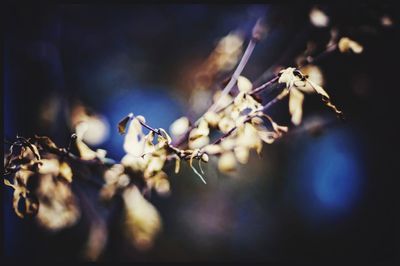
(346, 44)
(123, 123)
(165, 135)
(266, 135)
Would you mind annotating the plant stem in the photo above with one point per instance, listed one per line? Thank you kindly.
(249, 117)
(236, 74)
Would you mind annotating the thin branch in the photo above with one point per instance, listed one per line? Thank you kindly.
(236, 74)
(249, 117)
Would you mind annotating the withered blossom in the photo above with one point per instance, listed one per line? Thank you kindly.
(318, 18)
(346, 44)
(142, 221)
(296, 85)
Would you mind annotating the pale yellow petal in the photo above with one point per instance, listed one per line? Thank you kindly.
(49, 166)
(226, 124)
(227, 162)
(242, 154)
(346, 44)
(133, 143)
(296, 106)
(212, 149)
(179, 126)
(244, 85)
(212, 118)
(142, 220)
(66, 171)
(199, 142)
(318, 18)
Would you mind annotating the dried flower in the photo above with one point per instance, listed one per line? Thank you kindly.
(318, 18)
(346, 44)
(142, 221)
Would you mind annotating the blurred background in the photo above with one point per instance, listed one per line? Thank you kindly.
(324, 193)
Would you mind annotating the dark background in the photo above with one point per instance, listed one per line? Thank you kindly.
(326, 198)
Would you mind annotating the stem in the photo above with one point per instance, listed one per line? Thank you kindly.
(156, 131)
(236, 74)
(263, 86)
(249, 117)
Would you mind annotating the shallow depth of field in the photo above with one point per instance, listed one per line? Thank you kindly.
(323, 192)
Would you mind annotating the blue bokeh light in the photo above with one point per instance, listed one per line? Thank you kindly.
(328, 174)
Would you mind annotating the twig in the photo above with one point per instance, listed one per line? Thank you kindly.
(249, 117)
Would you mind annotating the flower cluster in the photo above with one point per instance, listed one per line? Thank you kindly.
(243, 123)
(296, 85)
(41, 179)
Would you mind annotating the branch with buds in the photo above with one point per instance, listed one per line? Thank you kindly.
(240, 118)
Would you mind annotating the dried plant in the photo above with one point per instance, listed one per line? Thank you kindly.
(41, 173)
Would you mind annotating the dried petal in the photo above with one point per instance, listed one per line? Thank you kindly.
(133, 143)
(318, 18)
(136, 163)
(212, 149)
(177, 164)
(162, 187)
(49, 166)
(199, 142)
(267, 136)
(165, 135)
(244, 85)
(58, 206)
(212, 118)
(123, 123)
(226, 124)
(227, 162)
(296, 105)
(314, 74)
(242, 154)
(346, 44)
(46, 142)
(142, 221)
(66, 171)
(179, 126)
(85, 152)
(287, 76)
(228, 144)
(96, 241)
(318, 89)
